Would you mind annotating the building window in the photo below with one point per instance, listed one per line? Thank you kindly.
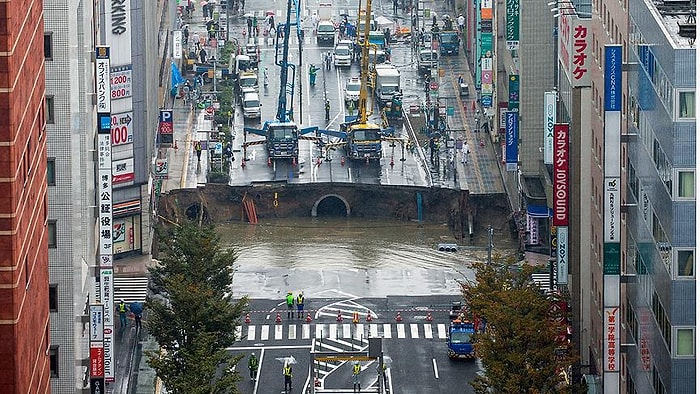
(685, 185)
(51, 171)
(686, 105)
(48, 45)
(684, 342)
(50, 113)
(685, 263)
(52, 233)
(53, 361)
(53, 298)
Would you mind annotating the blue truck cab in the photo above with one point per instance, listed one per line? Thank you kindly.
(460, 339)
(449, 43)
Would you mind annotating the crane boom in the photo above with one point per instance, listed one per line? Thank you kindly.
(283, 62)
(364, 63)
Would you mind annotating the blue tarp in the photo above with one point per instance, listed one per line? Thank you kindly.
(176, 78)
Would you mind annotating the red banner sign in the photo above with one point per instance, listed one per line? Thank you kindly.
(561, 175)
(97, 362)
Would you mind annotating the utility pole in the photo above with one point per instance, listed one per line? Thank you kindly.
(489, 230)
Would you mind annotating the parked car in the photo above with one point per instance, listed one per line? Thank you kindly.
(352, 90)
(342, 55)
(251, 106)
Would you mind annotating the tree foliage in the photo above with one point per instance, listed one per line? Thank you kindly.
(194, 317)
(518, 349)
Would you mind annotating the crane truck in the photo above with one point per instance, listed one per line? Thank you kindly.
(282, 134)
(460, 335)
(361, 139)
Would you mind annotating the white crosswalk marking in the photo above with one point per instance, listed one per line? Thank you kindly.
(414, 330)
(359, 331)
(251, 333)
(319, 332)
(278, 332)
(238, 333)
(347, 331)
(400, 331)
(332, 331)
(428, 329)
(265, 333)
(292, 332)
(373, 331)
(306, 331)
(442, 333)
(387, 330)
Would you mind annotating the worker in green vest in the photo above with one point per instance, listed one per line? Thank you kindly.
(253, 367)
(300, 305)
(356, 377)
(290, 305)
(287, 372)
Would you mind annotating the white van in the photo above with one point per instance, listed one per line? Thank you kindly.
(342, 55)
(251, 106)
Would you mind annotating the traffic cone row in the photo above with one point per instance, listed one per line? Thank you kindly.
(278, 319)
(429, 317)
(340, 317)
(247, 318)
(398, 317)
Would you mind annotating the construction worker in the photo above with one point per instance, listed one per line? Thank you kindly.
(287, 372)
(356, 377)
(121, 309)
(328, 109)
(290, 305)
(312, 74)
(253, 367)
(300, 305)
(198, 150)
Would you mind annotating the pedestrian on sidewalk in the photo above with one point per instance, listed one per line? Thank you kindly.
(255, 25)
(300, 305)
(328, 110)
(195, 40)
(198, 150)
(465, 152)
(290, 305)
(249, 22)
(287, 372)
(203, 55)
(137, 309)
(356, 369)
(272, 24)
(121, 309)
(253, 367)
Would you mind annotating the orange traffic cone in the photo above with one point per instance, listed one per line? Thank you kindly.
(243, 162)
(340, 317)
(278, 319)
(369, 316)
(398, 317)
(429, 317)
(308, 317)
(342, 160)
(247, 318)
(355, 317)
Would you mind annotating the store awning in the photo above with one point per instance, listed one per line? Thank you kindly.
(539, 211)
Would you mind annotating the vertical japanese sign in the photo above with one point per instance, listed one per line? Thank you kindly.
(550, 118)
(512, 124)
(612, 97)
(104, 204)
(562, 255)
(177, 44)
(513, 92)
(561, 175)
(513, 25)
(574, 45)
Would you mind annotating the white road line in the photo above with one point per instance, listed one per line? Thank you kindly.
(400, 331)
(414, 330)
(332, 331)
(278, 332)
(292, 332)
(359, 331)
(264, 332)
(442, 333)
(347, 331)
(257, 377)
(325, 345)
(387, 330)
(373, 330)
(251, 333)
(428, 329)
(437, 376)
(305, 331)
(319, 331)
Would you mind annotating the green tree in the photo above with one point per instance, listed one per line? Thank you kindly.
(194, 317)
(518, 350)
